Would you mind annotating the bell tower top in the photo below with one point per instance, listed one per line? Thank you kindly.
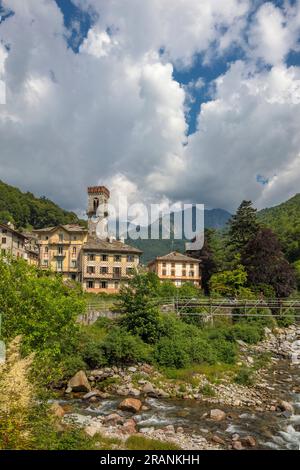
(97, 210)
(99, 190)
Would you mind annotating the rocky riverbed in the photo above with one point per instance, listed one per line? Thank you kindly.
(139, 400)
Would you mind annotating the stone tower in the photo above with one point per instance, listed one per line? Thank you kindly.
(97, 212)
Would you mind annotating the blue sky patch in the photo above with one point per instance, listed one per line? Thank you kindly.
(77, 22)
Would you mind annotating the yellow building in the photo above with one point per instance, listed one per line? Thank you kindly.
(60, 249)
(177, 268)
(12, 242)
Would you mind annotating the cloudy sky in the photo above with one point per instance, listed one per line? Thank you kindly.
(181, 100)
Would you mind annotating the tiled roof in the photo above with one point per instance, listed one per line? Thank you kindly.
(114, 246)
(174, 256)
(67, 227)
(12, 230)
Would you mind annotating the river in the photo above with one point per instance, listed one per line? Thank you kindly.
(271, 430)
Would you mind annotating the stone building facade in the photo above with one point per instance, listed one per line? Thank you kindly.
(12, 242)
(177, 268)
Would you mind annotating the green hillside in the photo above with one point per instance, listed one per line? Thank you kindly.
(25, 210)
(284, 219)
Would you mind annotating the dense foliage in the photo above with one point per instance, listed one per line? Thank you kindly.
(26, 210)
(266, 264)
(284, 220)
(243, 226)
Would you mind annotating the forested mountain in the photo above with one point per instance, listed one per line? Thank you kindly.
(213, 218)
(284, 219)
(25, 210)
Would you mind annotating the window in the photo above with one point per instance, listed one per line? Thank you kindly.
(164, 264)
(4, 240)
(61, 237)
(91, 269)
(4, 230)
(3, 251)
(117, 285)
(130, 258)
(91, 257)
(173, 272)
(117, 272)
(103, 270)
(18, 244)
(74, 264)
(173, 265)
(59, 265)
(90, 284)
(103, 285)
(191, 273)
(164, 272)
(184, 273)
(191, 266)
(74, 237)
(104, 258)
(60, 250)
(129, 271)
(45, 262)
(74, 251)
(73, 277)
(117, 258)
(46, 250)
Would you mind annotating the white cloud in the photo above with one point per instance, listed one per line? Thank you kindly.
(251, 128)
(97, 43)
(274, 32)
(114, 113)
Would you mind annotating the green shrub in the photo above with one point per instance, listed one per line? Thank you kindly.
(244, 377)
(121, 347)
(248, 333)
(40, 307)
(92, 354)
(171, 352)
(226, 351)
(286, 320)
(140, 313)
(202, 351)
(207, 391)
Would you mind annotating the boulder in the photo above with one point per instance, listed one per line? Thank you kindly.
(114, 418)
(162, 393)
(249, 441)
(57, 410)
(217, 415)
(130, 404)
(134, 392)
(79, 383)
(89, 395)
(237, 445)
(129, 426)
(285, 406)
(218, 440)
(132, 369)
(148, 388)
(146, 368)
(91, 430)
